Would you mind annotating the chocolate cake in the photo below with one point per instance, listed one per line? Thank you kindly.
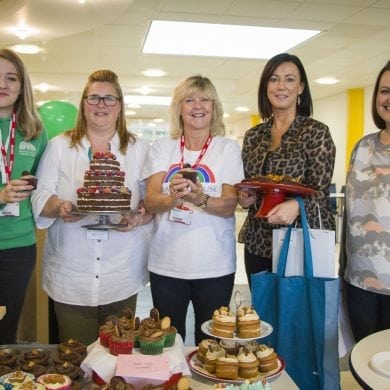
(104, 188)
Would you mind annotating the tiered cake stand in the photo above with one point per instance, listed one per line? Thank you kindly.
(265, 330)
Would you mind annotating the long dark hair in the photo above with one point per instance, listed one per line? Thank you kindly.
(379, 122)
(305, 107)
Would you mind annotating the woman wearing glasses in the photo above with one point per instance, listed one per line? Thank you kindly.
(90, 274)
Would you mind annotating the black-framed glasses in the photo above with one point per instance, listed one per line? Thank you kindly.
(108, 100)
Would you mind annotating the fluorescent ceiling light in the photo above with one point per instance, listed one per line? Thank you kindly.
(327, 81)
(153, 73)
(26, 49)
(144, 90)
(148, 100)
(242, 109)
(221, 40)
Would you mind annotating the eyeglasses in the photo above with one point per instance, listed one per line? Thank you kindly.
(108, 100)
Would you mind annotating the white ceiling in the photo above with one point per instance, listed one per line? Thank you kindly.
(79, 38)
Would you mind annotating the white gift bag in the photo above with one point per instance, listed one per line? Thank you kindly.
(323, 245)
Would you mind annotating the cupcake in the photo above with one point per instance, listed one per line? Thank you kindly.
(247, 365)
(55, 381)
(16, 378)
(37, 356)
(118, 383)
(268, 360)
(121, 342)
(227, 367)
(168, 331)
(151, 322)
(74, 346)
(34, 368)
(189, 173)
(107, 330)
(7, 359)
(223, 323)
(68, 369)
(5, 370)
(31, 385)
(248, 323)
(203, 347)
(136, 331)
(69, 356)
(212, 355)
(152, 342)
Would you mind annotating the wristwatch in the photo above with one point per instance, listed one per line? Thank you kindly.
(203, 204)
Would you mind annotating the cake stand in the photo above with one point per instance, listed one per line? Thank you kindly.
(103, 219)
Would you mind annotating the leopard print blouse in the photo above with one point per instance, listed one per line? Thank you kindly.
(306, 150)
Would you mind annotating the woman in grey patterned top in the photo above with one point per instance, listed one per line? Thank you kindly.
(367, 238)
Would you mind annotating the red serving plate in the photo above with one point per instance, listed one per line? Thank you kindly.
(273, 193)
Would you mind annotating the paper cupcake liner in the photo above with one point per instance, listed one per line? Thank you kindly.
(104, 339)
(152, 347)
(169, 340)
(123, 348)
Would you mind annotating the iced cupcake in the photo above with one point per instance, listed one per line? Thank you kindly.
(152, 342)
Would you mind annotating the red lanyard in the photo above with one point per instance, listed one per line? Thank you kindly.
(201, 154)
(9, 164)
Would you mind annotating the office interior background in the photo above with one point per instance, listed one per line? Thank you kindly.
(75, 37)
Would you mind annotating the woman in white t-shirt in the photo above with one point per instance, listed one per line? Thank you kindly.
(192, 256)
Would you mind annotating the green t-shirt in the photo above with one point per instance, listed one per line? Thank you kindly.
(19, 231)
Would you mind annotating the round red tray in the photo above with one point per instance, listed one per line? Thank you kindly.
(273, 193)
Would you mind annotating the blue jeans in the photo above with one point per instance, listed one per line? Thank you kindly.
(171, 296)
(16, 267)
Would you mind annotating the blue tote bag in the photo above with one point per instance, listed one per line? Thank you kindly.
(303, 312)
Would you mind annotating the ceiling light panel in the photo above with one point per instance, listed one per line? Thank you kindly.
(221, 40)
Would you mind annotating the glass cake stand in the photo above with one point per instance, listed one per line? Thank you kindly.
(103, 219)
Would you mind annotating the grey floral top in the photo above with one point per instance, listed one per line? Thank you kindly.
(367, 239)
(306, 150)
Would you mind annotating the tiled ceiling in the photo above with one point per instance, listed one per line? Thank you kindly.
(79, 38)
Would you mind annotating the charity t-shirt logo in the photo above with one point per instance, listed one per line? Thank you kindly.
(27, 149)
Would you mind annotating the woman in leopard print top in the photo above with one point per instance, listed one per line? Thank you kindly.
(289, 142)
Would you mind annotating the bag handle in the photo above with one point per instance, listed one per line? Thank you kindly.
(307, 255)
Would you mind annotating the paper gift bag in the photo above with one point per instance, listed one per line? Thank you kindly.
(323, 246)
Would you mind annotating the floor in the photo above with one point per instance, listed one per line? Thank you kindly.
(145, 304)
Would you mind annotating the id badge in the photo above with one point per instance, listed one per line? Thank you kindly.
(96, 234)
(181, 215)
(10, 210)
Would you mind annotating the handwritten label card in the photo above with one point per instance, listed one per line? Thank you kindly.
(143, 369)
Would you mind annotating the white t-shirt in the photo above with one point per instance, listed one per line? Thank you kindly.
(81, 271)
(207, 247)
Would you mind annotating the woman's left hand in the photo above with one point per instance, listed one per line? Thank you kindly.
(132, 220)
(284, 213)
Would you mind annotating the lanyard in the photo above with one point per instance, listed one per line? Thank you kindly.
(9, 164)
(201, 154)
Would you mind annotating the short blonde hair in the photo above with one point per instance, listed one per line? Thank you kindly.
(186, 88)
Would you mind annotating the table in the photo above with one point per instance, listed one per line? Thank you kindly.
(198, 382)
(359, 360)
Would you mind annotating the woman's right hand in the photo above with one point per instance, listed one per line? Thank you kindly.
(65, 208)
(15, 191)
(246, 198)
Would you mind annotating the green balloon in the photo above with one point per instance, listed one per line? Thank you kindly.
(57, 116)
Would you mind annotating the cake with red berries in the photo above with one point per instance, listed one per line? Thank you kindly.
(104, 186)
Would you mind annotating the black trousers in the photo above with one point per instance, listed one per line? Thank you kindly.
(16, 268)
(368, 311)
(171, 296)
(255, 264)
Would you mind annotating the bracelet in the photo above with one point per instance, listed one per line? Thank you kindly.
(204, 203)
